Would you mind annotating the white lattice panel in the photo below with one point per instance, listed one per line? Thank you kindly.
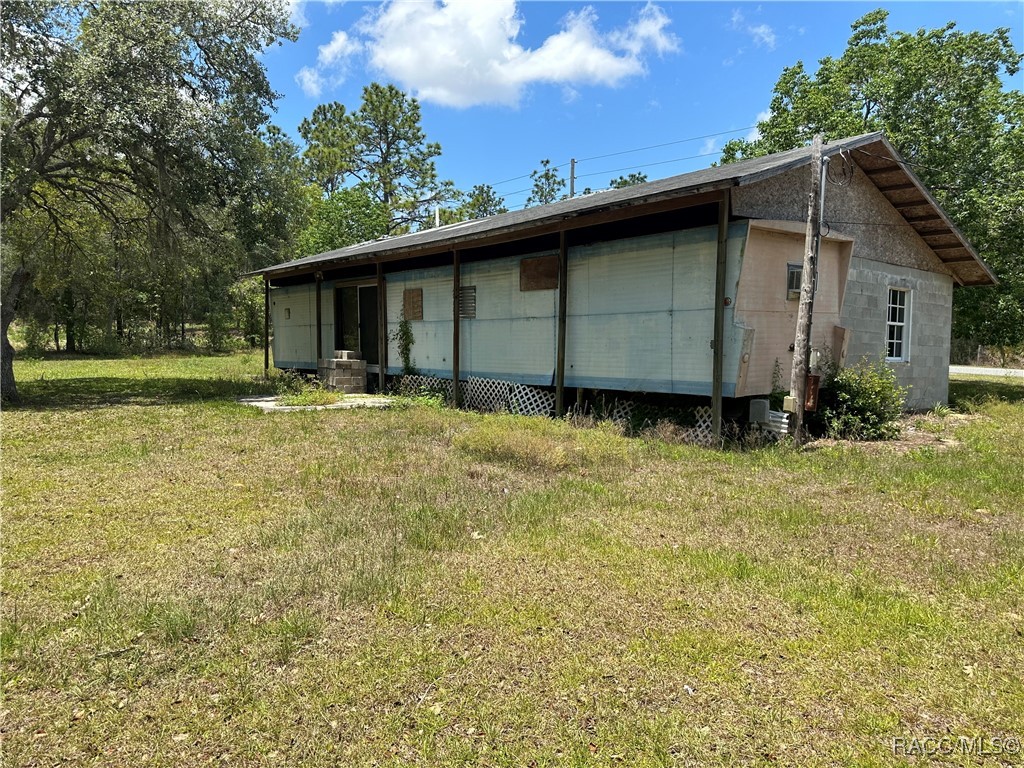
(531, 401)
(622, 411)
(703, 433)
(487, 394)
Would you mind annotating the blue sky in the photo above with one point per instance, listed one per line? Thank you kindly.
(504, 84)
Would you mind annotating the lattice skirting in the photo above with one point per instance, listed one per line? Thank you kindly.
(487, 394)
(531, 401)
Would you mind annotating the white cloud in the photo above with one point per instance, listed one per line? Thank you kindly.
(763, 35)
(754, 133)
(296, 12)
(461, 53)
(310, 81)
(338, 50)
(710, 146)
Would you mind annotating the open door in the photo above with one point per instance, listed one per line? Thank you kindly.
(355, 321)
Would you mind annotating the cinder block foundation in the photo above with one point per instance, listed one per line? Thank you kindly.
(343, 372)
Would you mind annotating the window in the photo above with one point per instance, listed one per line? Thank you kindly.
(794, 274)
(897, 325)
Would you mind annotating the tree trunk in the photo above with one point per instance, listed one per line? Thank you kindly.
(56, 336)
(11, 299)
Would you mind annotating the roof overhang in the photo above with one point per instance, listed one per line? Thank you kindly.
(892, 176)
(873, 154)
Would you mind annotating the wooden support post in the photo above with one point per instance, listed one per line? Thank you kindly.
(808, 280)
(456, 322)
(563, 298)
(718, 343)
(319, 327)
(266, 326)
(382, 327)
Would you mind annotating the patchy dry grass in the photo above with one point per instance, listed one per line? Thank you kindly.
(189, 581)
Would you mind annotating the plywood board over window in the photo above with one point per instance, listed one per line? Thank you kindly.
(412, 303)
(538, 274)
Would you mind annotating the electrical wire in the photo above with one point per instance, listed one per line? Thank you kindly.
(666, 144)
(646, 165)
(629, 151)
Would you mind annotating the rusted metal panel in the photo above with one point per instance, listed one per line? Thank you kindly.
(412, 303)
(539, 273)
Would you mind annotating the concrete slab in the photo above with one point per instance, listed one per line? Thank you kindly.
(272, 403)
(974, 370)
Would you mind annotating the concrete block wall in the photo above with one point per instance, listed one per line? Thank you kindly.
(343, 372)
(926, 370)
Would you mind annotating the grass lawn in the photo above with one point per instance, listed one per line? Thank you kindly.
(188, 581)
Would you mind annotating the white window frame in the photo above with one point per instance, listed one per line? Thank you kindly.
(897, 319)
(793, 292)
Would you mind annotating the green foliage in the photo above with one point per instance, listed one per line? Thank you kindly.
(345, 217)
(382, 149)
(137, 180)
(862, 402)
(404, 338)
(547, 185)
(479, 203)
(637, 177)
(940, 97)
(330, 146)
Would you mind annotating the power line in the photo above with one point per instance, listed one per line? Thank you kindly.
(666, 144)
(647, 165)
(629, 151)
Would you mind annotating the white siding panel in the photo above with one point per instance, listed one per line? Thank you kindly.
(294, 321)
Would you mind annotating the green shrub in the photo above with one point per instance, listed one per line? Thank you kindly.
(863, 402)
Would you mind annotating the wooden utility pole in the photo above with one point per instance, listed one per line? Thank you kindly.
(808, 281)
(572, 177)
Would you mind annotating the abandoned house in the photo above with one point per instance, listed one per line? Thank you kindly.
(622, 290)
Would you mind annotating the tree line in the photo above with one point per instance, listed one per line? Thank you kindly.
(141, 175)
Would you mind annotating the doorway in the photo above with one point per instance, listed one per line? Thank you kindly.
(355, 321)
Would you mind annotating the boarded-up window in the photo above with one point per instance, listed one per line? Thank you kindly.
(467, 301)
(412, 303)
(538, 274)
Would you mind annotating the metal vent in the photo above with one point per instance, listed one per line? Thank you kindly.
(467, 301)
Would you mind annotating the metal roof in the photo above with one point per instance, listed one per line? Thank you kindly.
(872, 152)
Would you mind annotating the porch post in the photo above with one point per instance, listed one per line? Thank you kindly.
(718, 344)
(319, 329)
(563, 296)
(456, 291)
(382, 327)
(266, 326)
